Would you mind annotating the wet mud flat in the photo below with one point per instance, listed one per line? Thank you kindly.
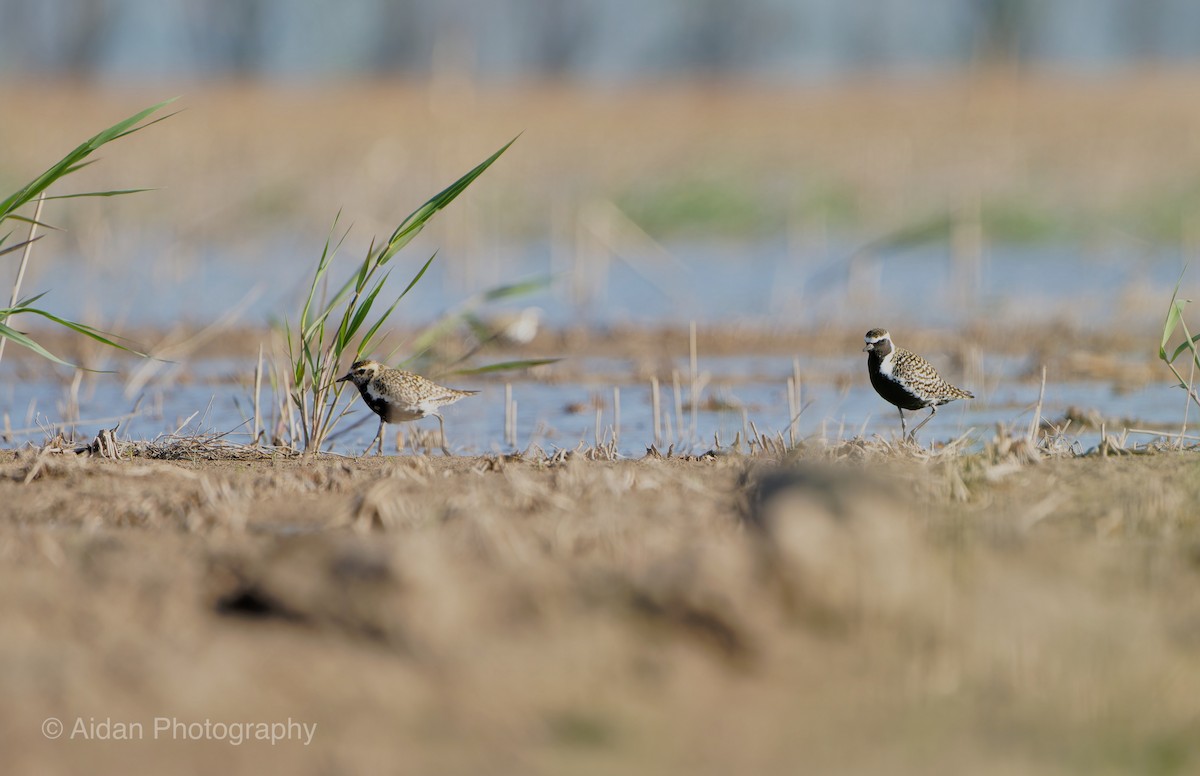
(863, 608)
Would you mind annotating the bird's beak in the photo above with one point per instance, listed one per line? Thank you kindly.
(869, 346)
(343, 378)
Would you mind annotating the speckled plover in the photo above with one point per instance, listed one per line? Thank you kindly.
(397, 396)
(906, 380)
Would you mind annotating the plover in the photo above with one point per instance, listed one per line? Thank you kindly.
(906, 380)
(397, 396)
(512, 327)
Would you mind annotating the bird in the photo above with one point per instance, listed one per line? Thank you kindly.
(906, 380)
(397, 396)
(509, 327)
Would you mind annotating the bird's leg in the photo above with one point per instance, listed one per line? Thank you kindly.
(903, 430)
(442, 433)
(378, 438)
(378, 434)
(932, 412)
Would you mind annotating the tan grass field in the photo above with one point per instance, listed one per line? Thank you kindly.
(852, 612)
(1119, 150)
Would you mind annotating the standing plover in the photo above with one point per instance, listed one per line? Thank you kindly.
(906, 380)
(397, 396)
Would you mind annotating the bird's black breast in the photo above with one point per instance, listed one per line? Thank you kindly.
(892, 391)
(377, 404)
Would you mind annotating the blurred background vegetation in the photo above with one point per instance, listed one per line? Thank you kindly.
(601, 41)
(802, 130)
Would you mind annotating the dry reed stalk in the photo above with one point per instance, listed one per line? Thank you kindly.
(655, 408)
(508, 413)
(1036, 423)
(1187, 404)
(510, 417)
(616, 436)
(695, 376)
(71, 411)
(258, 373)
(1162, 434)
(679, 426)
(62, 425)
(793, 413)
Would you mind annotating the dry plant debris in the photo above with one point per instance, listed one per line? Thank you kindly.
(538, 613)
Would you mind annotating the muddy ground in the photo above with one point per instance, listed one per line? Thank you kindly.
(857, 610)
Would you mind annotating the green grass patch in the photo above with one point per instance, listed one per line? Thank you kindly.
(702, 205)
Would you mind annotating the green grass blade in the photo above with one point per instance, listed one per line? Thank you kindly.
(369, 337)
(71, 161)
(26, 341)
(1186, 345)
(417, 278)
(323, 263)
(78, 167)
(20, 245)
(81, 328)
(347, 332)
(1174, 318)
(148, 111)
(518, 289)
(481, 331)
(29, 300)
(112, 193)
(31, 222)
(505, 366)
(411, 226)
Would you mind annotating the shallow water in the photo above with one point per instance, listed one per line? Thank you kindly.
(765, 283)
(565, 415)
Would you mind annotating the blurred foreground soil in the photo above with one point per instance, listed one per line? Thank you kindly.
(845, 612)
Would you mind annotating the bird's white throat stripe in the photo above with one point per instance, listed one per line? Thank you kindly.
(375, 394)
(885, 366)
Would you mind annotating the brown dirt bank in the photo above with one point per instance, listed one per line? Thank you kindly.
(708, 616)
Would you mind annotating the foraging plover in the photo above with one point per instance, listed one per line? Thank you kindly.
(512, 327)
(906, 380)
(397, 396)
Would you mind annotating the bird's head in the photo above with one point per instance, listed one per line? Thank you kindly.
(878, 340)
(361, 372)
